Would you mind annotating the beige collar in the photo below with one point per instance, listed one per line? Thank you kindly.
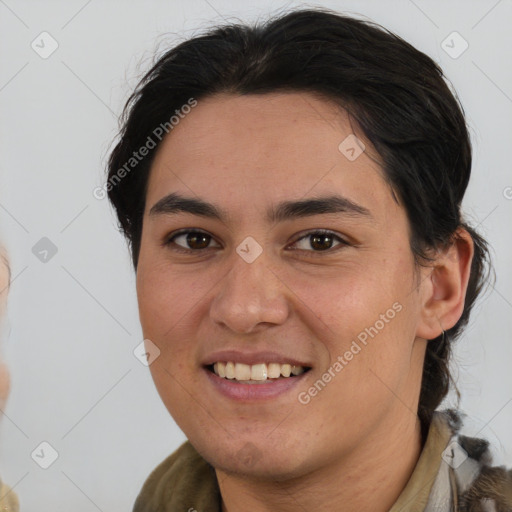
(414, 497)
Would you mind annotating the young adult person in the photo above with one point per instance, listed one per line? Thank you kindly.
(291, 193)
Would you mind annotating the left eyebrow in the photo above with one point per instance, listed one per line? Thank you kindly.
(287, 210)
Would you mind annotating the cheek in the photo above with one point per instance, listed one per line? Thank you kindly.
(346, 299)
(167, 305)
(164, 296)
(366, 315)
(171, 307)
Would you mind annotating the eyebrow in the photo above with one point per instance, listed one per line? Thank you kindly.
(287, 210)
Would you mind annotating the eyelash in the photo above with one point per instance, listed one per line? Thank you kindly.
(343, 243)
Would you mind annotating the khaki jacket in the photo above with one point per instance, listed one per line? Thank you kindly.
(453, 474)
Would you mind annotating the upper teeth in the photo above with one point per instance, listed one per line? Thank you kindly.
(261, 371)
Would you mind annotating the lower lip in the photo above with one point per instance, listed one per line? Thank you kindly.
(248, 392)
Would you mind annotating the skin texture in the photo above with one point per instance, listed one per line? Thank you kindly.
(245, 154)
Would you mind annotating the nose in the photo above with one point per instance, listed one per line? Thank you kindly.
(250, 297)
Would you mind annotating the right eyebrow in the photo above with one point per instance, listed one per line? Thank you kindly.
(175, 203)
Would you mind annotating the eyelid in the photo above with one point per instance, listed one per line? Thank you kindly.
(168, 240)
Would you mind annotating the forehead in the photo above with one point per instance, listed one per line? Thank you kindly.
(267, 148)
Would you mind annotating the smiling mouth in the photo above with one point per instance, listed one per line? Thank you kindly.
(257, 373)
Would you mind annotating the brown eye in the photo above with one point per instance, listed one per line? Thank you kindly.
(320, 241)
(190, 241)
(197, 240)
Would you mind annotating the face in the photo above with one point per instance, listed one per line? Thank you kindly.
(329, 287)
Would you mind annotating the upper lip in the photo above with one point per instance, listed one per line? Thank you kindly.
(251, 358)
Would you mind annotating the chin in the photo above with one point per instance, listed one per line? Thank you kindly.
(247, 458)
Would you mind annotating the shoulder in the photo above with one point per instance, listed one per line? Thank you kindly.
(183, 481)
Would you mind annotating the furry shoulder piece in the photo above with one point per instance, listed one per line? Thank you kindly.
(466, 480)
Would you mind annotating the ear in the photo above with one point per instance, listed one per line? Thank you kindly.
(444, 290)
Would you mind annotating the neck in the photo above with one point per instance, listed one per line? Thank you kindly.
(384, 464)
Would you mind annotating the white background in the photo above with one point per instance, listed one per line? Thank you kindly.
(73, 323)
